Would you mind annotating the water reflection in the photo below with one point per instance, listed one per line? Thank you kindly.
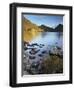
(49, 38)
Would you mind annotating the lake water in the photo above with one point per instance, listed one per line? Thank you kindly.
(49, 40)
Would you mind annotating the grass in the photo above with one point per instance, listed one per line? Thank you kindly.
(53, 64)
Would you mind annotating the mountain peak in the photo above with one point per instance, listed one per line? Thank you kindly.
(59, 27)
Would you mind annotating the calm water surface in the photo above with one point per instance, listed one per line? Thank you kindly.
(49, 39)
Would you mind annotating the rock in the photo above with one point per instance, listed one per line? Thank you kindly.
(35, 44)
(32, 57)
(40, 55)
(26, 43)
(34, 51)
(25, 48)
(43, 52)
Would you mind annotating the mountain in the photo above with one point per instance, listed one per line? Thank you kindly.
(46, 28)
(28, 25)
(30, 30)
(59, 28)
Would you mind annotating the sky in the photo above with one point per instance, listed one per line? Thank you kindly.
(48, 20)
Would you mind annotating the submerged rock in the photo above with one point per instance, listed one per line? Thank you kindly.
(40, 55)
(34, 51)
(32, 57)
(35, 44)
(43, 52)
(34, 68)
(25, 48)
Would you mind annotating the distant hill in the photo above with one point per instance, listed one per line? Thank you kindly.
(46, 28)
(59, 28)
(28, 26)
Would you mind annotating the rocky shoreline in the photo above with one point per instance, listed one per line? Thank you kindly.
(36, 60)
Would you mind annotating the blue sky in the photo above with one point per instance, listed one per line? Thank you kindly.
(48, 20)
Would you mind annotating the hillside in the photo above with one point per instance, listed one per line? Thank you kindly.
(30, 30)
(59, 28)
(46, 28)
(28, 25)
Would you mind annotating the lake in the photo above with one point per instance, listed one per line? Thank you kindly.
(49, 40)
(38, 48)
